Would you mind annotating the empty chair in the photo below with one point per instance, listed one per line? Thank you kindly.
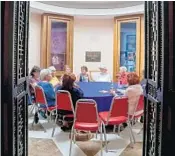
(86, 119)
(117, 115)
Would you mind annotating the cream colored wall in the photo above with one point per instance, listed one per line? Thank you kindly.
(93, 35)
(34, 39)
(89, 35)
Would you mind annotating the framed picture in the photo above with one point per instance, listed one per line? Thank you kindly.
(93, 56)
(131, 43)
(131, 39)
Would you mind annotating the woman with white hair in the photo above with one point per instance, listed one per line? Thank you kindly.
(122, 76)
(104, 76)
(45, 77)
(54, 81)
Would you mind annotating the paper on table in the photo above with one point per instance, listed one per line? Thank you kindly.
(103, 91)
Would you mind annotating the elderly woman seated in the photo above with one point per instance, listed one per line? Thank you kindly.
(104, 76)
(84, 75)
(67, 70)
(54, 81)
(68, 84)
(122, 75)
(45, 77)
(33, 81)
(133, 91)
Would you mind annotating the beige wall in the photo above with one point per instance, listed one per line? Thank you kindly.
(93, 35)
(89, 35)
(34, 39)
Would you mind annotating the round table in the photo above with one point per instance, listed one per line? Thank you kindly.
(92, 91)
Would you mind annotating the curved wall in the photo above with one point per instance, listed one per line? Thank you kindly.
(91, 33)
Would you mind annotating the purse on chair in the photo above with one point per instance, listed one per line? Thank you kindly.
(82, 136)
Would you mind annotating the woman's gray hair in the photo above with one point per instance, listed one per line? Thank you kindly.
(123, 68)
(44, 73)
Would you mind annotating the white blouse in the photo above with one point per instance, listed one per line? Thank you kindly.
(133, 93)
(104, 77)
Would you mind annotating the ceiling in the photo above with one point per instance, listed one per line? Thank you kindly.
(93, 4)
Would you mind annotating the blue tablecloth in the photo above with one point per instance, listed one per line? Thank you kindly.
(92, 91)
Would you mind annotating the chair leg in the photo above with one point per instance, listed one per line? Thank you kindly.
(101, 138)
(132, 134)
(96, 134)
(105, 137)
(74, 137)
(119, 129)
(31, 110)
(53, 131)
(140, 131)
(48, 117)
(71, 139)
(114, 128)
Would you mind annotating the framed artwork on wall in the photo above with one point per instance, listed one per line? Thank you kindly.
(93, 56)
(56, 42)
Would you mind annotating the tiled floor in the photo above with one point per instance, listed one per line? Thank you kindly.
(41, 143)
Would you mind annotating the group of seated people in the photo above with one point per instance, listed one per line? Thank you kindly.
(46, 78)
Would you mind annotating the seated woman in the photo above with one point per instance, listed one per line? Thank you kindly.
(104, 76)
(45, 76)
(67, 70)
(54, 81)
(33, 80)
(35, 75)
(84, 76)
(122, 76)
(76, 94)
(133, 91)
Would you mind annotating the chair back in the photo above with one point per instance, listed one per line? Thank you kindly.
(40, 96)
(31, 88)
(119, 107)
(64, 100)
(140, 105)
(86, 111)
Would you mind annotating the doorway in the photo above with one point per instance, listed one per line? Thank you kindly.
(15, 75)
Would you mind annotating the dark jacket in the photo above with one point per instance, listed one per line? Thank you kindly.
(76, 93)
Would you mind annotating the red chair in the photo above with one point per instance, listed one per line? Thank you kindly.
(41, 100)
(117, 115)
(31, 100)
(139, 110)
(63, 102)
(86, 119)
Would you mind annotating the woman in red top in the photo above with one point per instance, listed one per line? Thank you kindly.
(122, 75)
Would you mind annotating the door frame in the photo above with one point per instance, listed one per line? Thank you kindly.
(139, 43)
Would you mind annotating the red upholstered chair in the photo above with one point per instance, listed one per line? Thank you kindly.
(117, 115)
(41, 100)
(139, 110)
(63, 102)
(86, 119)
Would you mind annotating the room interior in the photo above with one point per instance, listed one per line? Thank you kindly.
(113, 31)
